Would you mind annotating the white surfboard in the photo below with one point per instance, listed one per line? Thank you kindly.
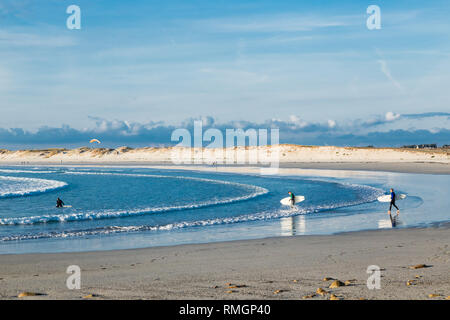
(67, 206)
(287, 201)
(387, 197)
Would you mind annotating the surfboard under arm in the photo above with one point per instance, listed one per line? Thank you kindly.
(387, 197)
(287, 201)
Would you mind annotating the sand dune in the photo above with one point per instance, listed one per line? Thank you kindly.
(265, 154)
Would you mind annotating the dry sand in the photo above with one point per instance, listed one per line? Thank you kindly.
(283, 153)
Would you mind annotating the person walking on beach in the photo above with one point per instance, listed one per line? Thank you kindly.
(393, 203)
(59, 203)
(292, 198)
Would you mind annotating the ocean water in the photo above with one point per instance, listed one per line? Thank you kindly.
(125, 207)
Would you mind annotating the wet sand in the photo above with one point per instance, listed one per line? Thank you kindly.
(300, 167)
(400, 167)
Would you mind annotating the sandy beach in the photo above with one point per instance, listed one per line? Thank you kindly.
(283, 153)
(271, 268)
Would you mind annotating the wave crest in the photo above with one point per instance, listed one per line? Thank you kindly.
(266, 215)
(109, 214)
(19, 187)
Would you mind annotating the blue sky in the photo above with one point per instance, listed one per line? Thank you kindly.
(311, 67)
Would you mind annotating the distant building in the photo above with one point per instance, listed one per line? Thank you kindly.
(421, 146)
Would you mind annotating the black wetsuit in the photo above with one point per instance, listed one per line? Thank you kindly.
(292, 198)
(59, 203)
(393, 201)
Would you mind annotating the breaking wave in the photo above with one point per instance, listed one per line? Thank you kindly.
(19, 187)
(255, 191)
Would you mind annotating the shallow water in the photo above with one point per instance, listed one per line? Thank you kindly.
(116, 208)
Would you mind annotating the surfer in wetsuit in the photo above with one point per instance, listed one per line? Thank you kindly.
(59, 203)
(393, 202)
(292, 198)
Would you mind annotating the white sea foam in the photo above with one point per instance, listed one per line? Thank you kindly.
(26, 171)
(255, 191)
(266, 215)
(367, 194)
(18, 186)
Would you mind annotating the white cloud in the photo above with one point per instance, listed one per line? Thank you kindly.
(272, 23)
(387, 72)
(294, 130)
(296, 122)
(8, 39)
(391, 116)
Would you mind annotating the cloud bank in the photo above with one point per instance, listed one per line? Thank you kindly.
(377, 131)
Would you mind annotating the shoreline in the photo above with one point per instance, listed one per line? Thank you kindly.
(256, 268)
(398, 167)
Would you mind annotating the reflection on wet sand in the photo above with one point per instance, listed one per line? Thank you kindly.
(291, 226)
(296, 225)
(388, 223)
